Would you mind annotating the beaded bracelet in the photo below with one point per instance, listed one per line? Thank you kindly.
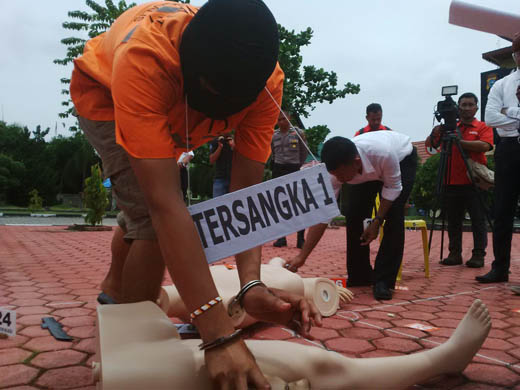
(201, 310)
(220, 341)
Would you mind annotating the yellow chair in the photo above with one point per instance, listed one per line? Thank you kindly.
(411, 224)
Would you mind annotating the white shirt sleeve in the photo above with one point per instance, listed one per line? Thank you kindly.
(513, 112)
(495, 103)
(391, 174)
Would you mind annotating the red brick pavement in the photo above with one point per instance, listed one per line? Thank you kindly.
(47, 271)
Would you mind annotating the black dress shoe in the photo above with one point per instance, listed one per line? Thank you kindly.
(381, 292)
(493, 276)
(475, 262)
(452, 260)
(280, 242)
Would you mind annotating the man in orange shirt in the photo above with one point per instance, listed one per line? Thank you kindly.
(476, 139)
(165, 79)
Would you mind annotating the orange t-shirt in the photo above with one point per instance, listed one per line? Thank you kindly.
(132, 74)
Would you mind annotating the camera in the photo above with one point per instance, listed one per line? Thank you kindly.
(447, 109)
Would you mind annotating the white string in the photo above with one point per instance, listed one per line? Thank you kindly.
(285, 116)
(188, 191)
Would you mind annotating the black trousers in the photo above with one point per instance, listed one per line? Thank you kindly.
(358, 205)
(282, 170)
(507, 191)
(458, 199)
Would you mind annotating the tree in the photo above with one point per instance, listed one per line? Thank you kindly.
(305, 86)
(11, 174)
(315, 136)
(90, 24)
(96, 198)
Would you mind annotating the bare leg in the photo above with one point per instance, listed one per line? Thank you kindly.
(112, 283)
(143, 272)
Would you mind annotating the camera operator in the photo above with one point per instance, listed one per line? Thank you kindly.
(221, 154)
(503, 112)
(475, 138)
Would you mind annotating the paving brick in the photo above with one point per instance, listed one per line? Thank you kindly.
(418, 315)
(362, 333)
(57, 359)
(82, 332)
(49, 285)
(12, 356)
(27, 310)
(34, 331)
(491, 343)
(25, 295)
(445, 322)
(349, 345)
(46, 343)
(33, 319)
(397, 344)
(406, 333)
(75, 312)
(21, 289)
(60, 297)
(78, 321)
(87, 345)
(492, 356)
(336, 323)
(11, 342)
(494, 375)
(66, 378)
(54, 290)
(323, 333)
(29, 302)
(18, 374)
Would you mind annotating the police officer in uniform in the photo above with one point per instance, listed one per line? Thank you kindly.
(288, 155)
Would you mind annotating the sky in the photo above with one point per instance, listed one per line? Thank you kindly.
(401, 52)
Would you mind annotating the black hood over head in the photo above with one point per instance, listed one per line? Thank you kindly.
(233, 46)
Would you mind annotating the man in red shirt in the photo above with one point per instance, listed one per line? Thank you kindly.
(476, 139)
(374, 118)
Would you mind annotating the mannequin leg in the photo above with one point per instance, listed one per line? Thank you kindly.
(333, 371)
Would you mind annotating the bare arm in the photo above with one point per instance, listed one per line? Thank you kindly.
(213, 157)
(476, 146)
(314, 235)
(159, 181)
(244, 173)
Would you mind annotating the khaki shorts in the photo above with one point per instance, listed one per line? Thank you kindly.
(134, 217)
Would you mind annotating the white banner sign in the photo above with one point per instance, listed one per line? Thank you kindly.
(250, 217)
(8, 322)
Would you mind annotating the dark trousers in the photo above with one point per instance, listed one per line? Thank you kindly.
(282, 170)
(358, 205)
(183, 172)
(458, 199)
(507, 191)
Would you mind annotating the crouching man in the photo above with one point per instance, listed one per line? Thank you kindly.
(388, 157)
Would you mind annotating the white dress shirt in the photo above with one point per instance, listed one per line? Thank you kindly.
(502, 95)
(380, 153)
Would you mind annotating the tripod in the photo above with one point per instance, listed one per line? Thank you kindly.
(450, 138)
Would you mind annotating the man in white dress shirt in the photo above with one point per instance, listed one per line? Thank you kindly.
(503, 112)
(385, 156)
